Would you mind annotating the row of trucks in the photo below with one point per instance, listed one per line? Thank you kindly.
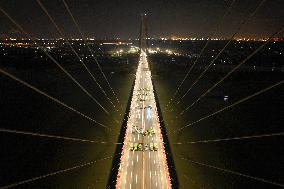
(143, 147)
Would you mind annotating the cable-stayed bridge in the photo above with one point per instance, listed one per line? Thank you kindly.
(143, 161)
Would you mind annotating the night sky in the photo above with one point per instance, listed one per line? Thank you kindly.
(166, 18)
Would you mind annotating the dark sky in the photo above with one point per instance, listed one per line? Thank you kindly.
(113, 18)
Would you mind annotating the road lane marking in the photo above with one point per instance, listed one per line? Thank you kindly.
(136, 178)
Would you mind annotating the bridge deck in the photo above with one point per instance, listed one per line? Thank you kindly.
(143, 159)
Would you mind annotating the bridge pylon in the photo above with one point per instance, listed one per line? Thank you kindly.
(143, 43)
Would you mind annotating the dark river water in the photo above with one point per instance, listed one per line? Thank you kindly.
(24, 157)
(263, 114)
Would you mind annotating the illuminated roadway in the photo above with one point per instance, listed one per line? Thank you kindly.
(145, 168)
